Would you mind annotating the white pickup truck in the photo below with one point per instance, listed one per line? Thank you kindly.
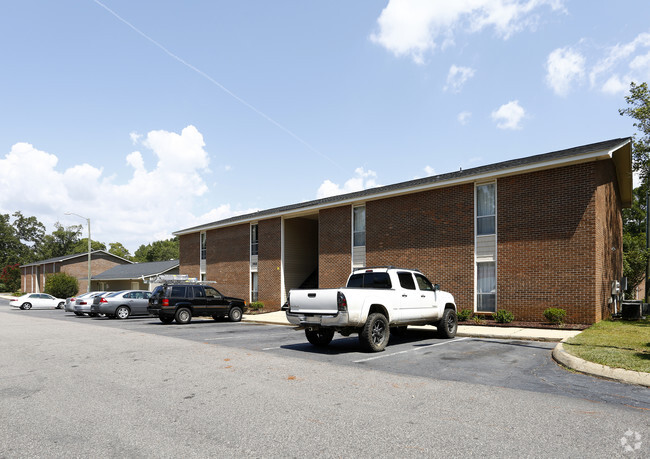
(375, 302)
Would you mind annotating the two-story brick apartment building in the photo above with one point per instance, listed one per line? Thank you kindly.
(522, 235)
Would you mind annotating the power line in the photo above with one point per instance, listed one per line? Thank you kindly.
(216, 83)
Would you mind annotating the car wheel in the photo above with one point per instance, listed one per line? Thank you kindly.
(448, 324)
(60, 305)
(122, 312)
(375, 333)
(235, 313)
(26, 306)
(166, 319)
(319, 337)
(183, 316)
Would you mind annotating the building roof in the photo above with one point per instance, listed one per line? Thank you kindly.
(619, 150)
(137, 270)
(63, 258)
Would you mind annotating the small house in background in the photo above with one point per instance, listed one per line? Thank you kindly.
(134, 276)
(32, 275)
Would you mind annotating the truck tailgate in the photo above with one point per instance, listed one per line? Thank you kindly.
(320, 301)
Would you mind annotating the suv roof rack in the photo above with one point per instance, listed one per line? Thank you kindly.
(176, 279)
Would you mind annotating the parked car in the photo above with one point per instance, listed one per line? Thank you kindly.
(69, 302)
(83, 302)
(37, 300)
(122, 304)
(180, 302)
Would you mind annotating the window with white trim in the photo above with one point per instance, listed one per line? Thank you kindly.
(486, 286)
(359, 226)
(486, 208)
(203, 246)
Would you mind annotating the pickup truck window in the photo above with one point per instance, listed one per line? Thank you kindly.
(370, 280)
(423, 282)
(406, 280)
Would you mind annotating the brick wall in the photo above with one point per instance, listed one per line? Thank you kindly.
(189, 258)
(335, 246)
(228, 259)
(609, 235)
(270, 263)
(547, 243)
(431, 231)
(78, 267)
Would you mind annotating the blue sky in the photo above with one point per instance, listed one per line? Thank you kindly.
(153, 116)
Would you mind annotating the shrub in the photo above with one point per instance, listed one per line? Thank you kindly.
(503, 317)
(10, 277)
(256, 305)
(555, 315)
(464, 314)
(477, 319)
(61, 285)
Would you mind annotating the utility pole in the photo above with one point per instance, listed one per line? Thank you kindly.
(89, 246)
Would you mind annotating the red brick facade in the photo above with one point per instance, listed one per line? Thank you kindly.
(558, 242)
(33, 277)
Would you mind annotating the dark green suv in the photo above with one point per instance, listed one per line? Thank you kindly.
(180, 302)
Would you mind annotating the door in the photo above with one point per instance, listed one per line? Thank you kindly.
(409, 298)
(215, 301)
(139, 302)
(200, 307)
(428, 307)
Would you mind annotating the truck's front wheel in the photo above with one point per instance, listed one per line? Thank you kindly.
(375, 333)
(319, 336)
(448, 324)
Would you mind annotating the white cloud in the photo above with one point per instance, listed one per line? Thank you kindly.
(429, 171)
(416, 27)
(463, 117)
(457, 77)
(564, 67)
(622, 64)
(135, 137)
(509, 116)
(146, 207)
(361, 181)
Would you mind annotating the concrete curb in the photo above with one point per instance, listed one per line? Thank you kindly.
(562, 357)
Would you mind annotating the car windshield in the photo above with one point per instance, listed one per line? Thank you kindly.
(111, 295)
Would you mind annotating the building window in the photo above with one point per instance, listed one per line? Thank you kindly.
(486, 283)
(486, 209)
(254, 292)
(359, 226)
(254, 240)
(203, 247)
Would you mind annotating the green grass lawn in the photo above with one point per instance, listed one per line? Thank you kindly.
(619, 343)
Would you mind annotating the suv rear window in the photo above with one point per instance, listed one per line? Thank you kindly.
(177, 291)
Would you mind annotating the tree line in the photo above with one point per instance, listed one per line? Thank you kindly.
(24, 240)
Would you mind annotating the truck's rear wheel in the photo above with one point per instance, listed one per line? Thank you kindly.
(375, 333)
(448, 324)
(319, 336)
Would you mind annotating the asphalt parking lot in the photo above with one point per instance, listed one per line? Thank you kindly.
(515, 364)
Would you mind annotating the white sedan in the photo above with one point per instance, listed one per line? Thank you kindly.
(36, 300)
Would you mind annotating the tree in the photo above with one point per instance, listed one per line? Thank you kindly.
(635, 253)
(61, 242)
(82, 246)
(19, 239)
(639, 109)
(61, 285)
(158, 251)
(116, 248)
(10, 277)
